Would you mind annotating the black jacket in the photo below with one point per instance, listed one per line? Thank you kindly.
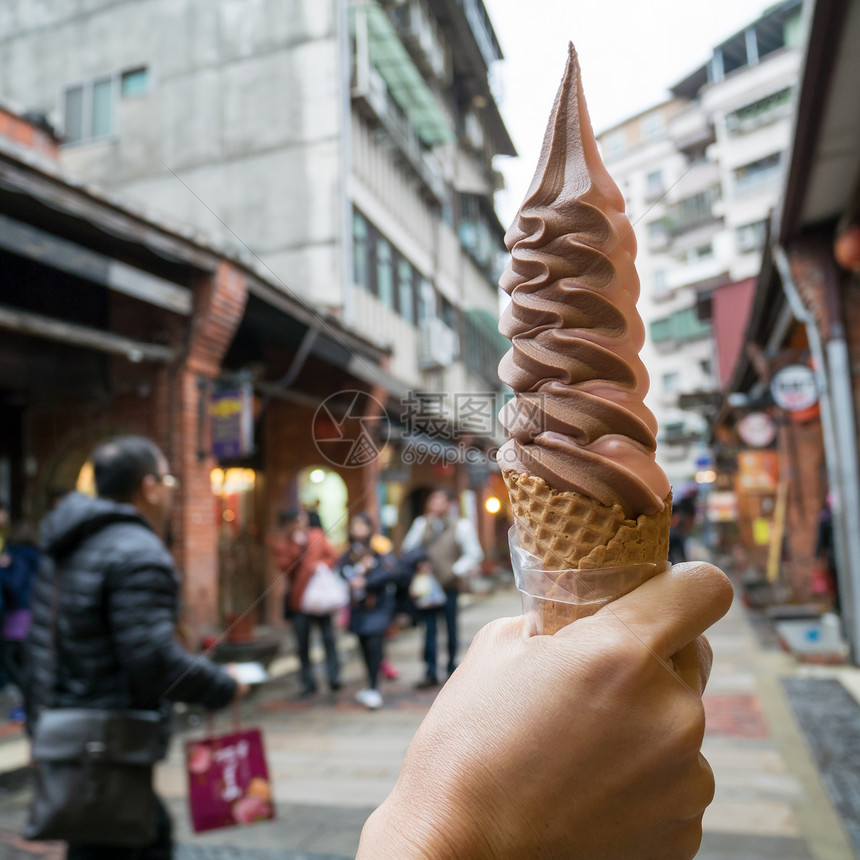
(116, 616)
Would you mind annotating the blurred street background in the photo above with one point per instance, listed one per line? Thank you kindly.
(268, 235)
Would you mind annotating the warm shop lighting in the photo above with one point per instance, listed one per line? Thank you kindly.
(706, 476)
(317, 476)
(493, 505)
(216, 478)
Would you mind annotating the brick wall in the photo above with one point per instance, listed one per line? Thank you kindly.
(219, 303)
(21, 131)
(801, 456)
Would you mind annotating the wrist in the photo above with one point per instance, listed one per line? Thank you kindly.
(407, 829)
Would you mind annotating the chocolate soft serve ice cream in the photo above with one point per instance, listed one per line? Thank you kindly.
(580, 467)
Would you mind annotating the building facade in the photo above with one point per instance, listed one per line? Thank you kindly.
(345, 150)
(700, 173)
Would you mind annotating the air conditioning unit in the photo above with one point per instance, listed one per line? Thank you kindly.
(437, 344)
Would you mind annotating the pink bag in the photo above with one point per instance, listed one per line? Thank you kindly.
(228, 781)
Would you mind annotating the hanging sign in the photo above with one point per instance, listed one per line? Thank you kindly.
(231, 417)
(757, 430)
(793, 388)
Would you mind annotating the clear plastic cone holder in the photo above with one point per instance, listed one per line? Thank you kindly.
(552, 599)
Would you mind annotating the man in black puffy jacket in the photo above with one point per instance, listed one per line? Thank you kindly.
(118, 603)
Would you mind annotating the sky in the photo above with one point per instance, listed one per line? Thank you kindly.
(630, 52)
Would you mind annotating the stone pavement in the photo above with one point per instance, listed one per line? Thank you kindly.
(332, 761)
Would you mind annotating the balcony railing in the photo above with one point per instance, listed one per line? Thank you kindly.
(482, 29)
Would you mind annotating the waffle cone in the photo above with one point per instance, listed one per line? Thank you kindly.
(571, 533)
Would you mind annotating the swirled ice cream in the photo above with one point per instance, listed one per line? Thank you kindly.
(578, 420)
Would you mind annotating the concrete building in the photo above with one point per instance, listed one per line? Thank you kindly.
(700, 173)
(346, 148)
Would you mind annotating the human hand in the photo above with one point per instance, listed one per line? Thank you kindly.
(585, 743)
(242, 689)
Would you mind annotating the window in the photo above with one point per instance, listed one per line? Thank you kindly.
(760, 112)
(134, 82)
(681, 326)
(750, 237)
(102, 107)
(652, 126)
(616, 143)
(405, 291)
(657, 229)
(654, 183)
(703, 252)
(384, 273)
(671, 382)
(661, 330)
(88, 110)
(360, 251)
(660, 284)
(74, 114)
(426, 300)
(694, 210)
(706, 366)
(757, 174)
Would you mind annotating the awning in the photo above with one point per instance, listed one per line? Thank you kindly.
(405, 83)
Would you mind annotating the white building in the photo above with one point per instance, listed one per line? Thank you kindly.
(348, 145)
(700, 173)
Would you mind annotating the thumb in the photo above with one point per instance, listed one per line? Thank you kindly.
(674, 607)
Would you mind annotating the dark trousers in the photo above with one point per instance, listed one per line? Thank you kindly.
(161, 849)
(371, 649)
(302, 625)
(431, 647)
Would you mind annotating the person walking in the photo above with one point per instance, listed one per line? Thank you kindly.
(298, 550)
(19, 565)
(454, 551)
(105, 608)
(371, 576)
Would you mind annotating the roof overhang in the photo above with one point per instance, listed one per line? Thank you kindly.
(822, 177)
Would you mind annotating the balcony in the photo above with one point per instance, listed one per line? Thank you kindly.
(757, 176)
(420, 34)
(701, 176)
(694, 211)
(759, 113)
(483, 346)
(372, 97)
(482, 30)
(680, 327)
(691, 130)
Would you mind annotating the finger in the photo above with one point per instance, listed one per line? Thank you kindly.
(693, 664)
(670, 610)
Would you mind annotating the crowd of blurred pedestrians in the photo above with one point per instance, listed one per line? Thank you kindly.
(380, 590)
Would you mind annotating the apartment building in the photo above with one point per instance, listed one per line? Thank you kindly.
(347, 145)
(700, 173)
(343, 151)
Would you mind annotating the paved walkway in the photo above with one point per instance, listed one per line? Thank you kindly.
(332, 761)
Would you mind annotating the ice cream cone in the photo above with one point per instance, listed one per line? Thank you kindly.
(590, 553)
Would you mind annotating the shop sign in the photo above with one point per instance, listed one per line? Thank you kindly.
(757, 430)
(231, 419)
(722, 507)
(793, 388)
(758, 471)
